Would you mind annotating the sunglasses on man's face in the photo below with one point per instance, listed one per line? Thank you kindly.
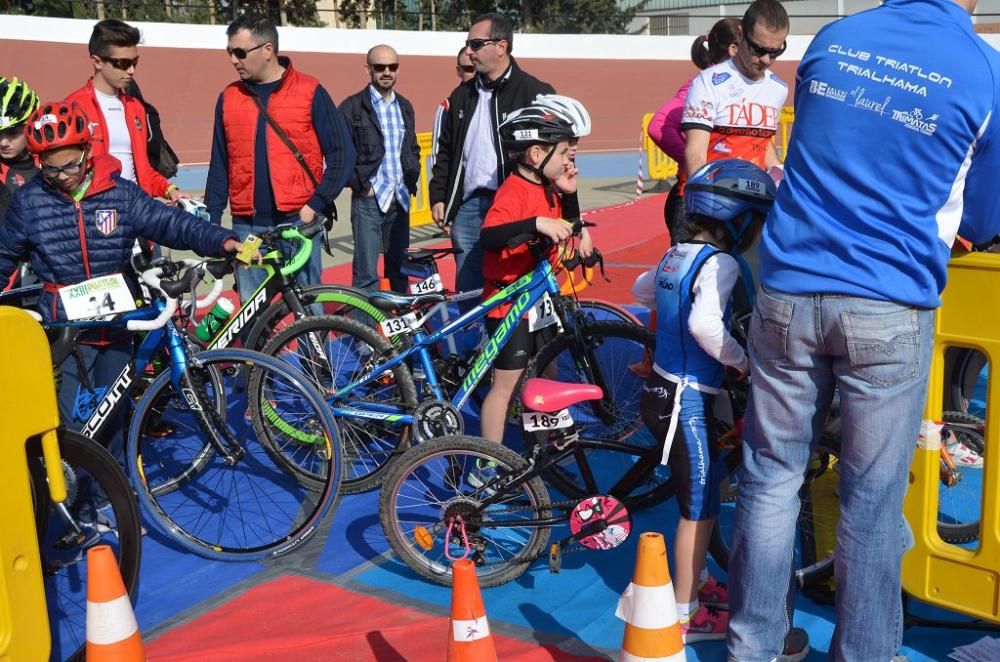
(467, 68)
(70, 169)
(379, 68)
(760, 51)
(476, 44)
(241, 53)
(122, 63)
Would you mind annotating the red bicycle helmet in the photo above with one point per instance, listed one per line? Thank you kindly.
(56, 125)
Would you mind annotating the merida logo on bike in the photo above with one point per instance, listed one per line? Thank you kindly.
(485, 358)
(241, 320)
(107, 405)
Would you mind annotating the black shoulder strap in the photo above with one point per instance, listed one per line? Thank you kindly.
(285, 139)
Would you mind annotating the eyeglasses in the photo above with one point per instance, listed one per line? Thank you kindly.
(760, 51)
(379, 68)
(122, 63)
(476, 44)
(467, 68)
(241, 53)
(70, 169)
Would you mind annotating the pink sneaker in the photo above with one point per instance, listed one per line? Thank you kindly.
(705, 625)
(714, 593)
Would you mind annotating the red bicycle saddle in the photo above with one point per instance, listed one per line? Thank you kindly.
(548, 396)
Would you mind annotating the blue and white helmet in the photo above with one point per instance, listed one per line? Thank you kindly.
(732, 191)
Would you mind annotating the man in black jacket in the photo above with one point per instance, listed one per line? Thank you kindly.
(385, 174)
(471, 162)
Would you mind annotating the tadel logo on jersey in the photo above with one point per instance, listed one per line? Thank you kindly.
(915, 121)
(752, 114)
(720, 77)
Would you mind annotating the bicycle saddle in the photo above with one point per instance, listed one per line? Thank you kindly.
(419, 254)
(548, 396)
(390, 301)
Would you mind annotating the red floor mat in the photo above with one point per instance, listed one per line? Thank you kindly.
(295, 618)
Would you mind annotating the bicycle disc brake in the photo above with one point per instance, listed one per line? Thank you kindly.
(436, 418)
(607, 518)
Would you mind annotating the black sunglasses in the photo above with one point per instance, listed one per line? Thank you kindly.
(760, 51)
(122, 63)
(241, 53)
(69, 169)
(476, 44)
(379, 68)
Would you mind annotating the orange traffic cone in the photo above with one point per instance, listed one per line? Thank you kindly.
(470, 639)
(649, 608)
(383, 284)
(112, 633)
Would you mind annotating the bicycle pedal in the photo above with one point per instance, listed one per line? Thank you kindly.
(555, 558)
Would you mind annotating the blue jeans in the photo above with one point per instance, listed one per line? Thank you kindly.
(376, 232)
(465, 237)
(102, 365)
(249, 279)
(878, 355)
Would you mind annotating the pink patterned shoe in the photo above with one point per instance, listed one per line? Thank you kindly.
(714, 593)
(705, 625)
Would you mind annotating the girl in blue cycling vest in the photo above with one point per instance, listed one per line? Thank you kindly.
(725, 203)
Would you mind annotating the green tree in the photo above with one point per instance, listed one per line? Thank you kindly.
(554, 16)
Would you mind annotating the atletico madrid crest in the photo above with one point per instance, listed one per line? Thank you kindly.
(107, 220)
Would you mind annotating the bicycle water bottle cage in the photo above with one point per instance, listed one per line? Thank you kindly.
(392, 302)
(545, 395)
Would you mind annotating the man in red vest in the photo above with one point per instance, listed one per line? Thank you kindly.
(118, 120)
(252, 166)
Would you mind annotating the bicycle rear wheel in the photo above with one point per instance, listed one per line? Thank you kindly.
(605, 311)
(434, 484)
(246, 506)
(960, 497)
(333, 353)
(965, 388)
(815, 532)
(99, 500)
(604, 358)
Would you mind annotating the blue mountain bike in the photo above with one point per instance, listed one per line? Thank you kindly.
(368, 383)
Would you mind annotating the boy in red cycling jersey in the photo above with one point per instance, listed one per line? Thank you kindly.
(530, 200)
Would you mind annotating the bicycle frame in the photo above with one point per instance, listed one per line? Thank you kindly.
(165, 337)
(522, 294)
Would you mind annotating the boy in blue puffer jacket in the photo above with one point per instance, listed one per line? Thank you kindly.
(77, 221)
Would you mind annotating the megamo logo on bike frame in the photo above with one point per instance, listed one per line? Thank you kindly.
(485, 358)
(241, 320)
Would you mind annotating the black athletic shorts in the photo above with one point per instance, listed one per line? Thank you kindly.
(521, 345)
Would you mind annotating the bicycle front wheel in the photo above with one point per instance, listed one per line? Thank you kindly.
(99, 510)
(334, 353)
(317, 300)
(241, 504)
(431, 510)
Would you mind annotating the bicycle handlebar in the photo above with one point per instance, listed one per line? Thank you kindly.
(151, 277)
(541, 240)
(304, 235)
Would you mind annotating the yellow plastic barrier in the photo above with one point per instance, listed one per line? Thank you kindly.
(962, 580)
(420, 204)
(661, 166)
(658, 164)
(27, 408)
